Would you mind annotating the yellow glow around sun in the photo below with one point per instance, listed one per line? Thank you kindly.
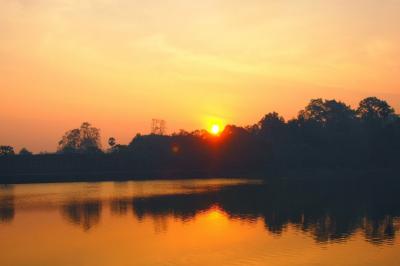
(215, 129)
(214, 125)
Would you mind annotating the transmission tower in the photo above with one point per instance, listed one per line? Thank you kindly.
(158, 127)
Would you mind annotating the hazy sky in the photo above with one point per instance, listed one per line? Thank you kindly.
(119, 63)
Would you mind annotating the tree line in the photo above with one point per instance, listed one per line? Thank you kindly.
(325, 134)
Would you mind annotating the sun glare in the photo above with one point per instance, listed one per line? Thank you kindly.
(215, 129)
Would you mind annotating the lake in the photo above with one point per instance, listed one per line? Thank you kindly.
(200, 222)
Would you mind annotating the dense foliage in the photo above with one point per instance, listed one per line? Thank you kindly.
(326, 134)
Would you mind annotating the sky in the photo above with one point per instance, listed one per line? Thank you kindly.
(120, 63)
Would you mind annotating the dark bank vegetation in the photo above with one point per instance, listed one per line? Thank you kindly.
(327, 135)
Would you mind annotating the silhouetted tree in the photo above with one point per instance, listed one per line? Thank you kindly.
(25, 152)
(327, 112)
(326, 134)
(111, 142)
(82, 140)
(6, 150)
(114, 147)
(374, 109)
(271, 125)
(381, 131)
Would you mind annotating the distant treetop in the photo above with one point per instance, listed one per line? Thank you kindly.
(6, 150)
(81, 140)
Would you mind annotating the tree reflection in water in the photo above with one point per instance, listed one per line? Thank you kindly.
(119, 206)
(7, 209)
(326, 210)
(315, 209)
(84, 214)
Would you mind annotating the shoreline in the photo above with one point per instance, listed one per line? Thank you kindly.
(291, 175)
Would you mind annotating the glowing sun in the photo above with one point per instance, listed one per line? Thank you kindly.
(215, 129)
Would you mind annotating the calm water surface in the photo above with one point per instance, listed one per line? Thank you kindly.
(198, 222)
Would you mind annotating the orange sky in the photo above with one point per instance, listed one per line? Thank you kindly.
(120, 63)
